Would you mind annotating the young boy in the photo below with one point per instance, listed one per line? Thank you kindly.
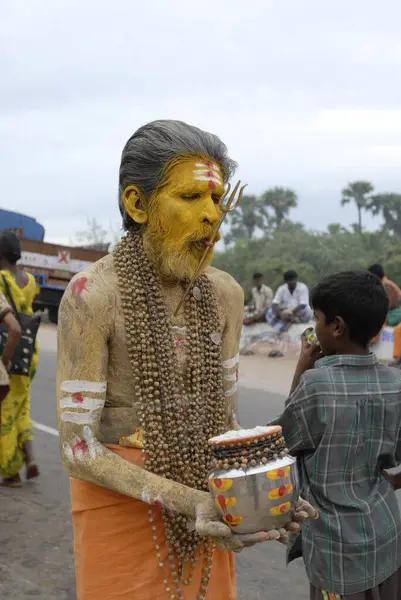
(343, 422)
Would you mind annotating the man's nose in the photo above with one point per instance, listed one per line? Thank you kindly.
(210, 212)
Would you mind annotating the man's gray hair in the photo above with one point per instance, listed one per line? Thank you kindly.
(151, 147)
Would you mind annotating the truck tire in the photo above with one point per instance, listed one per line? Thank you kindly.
(53, 314)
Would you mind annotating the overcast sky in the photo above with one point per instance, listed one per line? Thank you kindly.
(305, 93)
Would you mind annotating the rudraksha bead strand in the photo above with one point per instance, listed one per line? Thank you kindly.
(177, 419)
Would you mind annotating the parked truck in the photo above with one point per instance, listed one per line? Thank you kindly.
(52, 265)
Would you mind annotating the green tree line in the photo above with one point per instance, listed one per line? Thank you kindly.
(261, 237)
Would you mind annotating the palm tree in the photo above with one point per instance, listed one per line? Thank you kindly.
(246, 219)
(389, 205)
(280, 200)
(358, 192)
(335, 229)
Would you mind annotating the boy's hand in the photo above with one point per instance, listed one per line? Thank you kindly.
(310, 353)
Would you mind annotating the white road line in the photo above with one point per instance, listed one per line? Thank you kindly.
(45, 428)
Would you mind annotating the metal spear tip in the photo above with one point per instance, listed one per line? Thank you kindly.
(234, 200)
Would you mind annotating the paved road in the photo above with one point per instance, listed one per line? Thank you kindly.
(35, 531)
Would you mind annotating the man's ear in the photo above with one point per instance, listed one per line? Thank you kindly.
(134, 204)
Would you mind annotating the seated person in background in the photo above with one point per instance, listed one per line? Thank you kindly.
(262, 297)
(290, 304)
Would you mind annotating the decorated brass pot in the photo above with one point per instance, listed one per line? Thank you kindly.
(254, 480)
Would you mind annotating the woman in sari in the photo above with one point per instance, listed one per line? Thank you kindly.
(16, 426)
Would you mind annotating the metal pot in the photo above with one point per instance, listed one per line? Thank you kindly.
(259, 498)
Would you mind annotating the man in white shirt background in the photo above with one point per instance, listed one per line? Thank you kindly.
(290, 304)
(262, 297)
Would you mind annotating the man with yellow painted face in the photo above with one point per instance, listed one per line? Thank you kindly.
(140, 390)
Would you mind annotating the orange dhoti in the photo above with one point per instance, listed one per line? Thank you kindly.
(115, 558)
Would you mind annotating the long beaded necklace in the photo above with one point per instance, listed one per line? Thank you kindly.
(177, 419)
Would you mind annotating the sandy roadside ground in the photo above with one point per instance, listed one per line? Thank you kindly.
(271, 374)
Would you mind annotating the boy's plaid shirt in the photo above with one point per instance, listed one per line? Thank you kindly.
(343, 422)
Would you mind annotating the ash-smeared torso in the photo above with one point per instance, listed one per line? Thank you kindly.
(95, 294)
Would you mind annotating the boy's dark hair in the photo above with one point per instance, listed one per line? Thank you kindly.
(257, 276)
(290, 275)
(358, 297)
(377, 270)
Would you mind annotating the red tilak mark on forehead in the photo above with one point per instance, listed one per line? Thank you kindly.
(78, 286)
(209, 164)
(212, 185)
(210, 173)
